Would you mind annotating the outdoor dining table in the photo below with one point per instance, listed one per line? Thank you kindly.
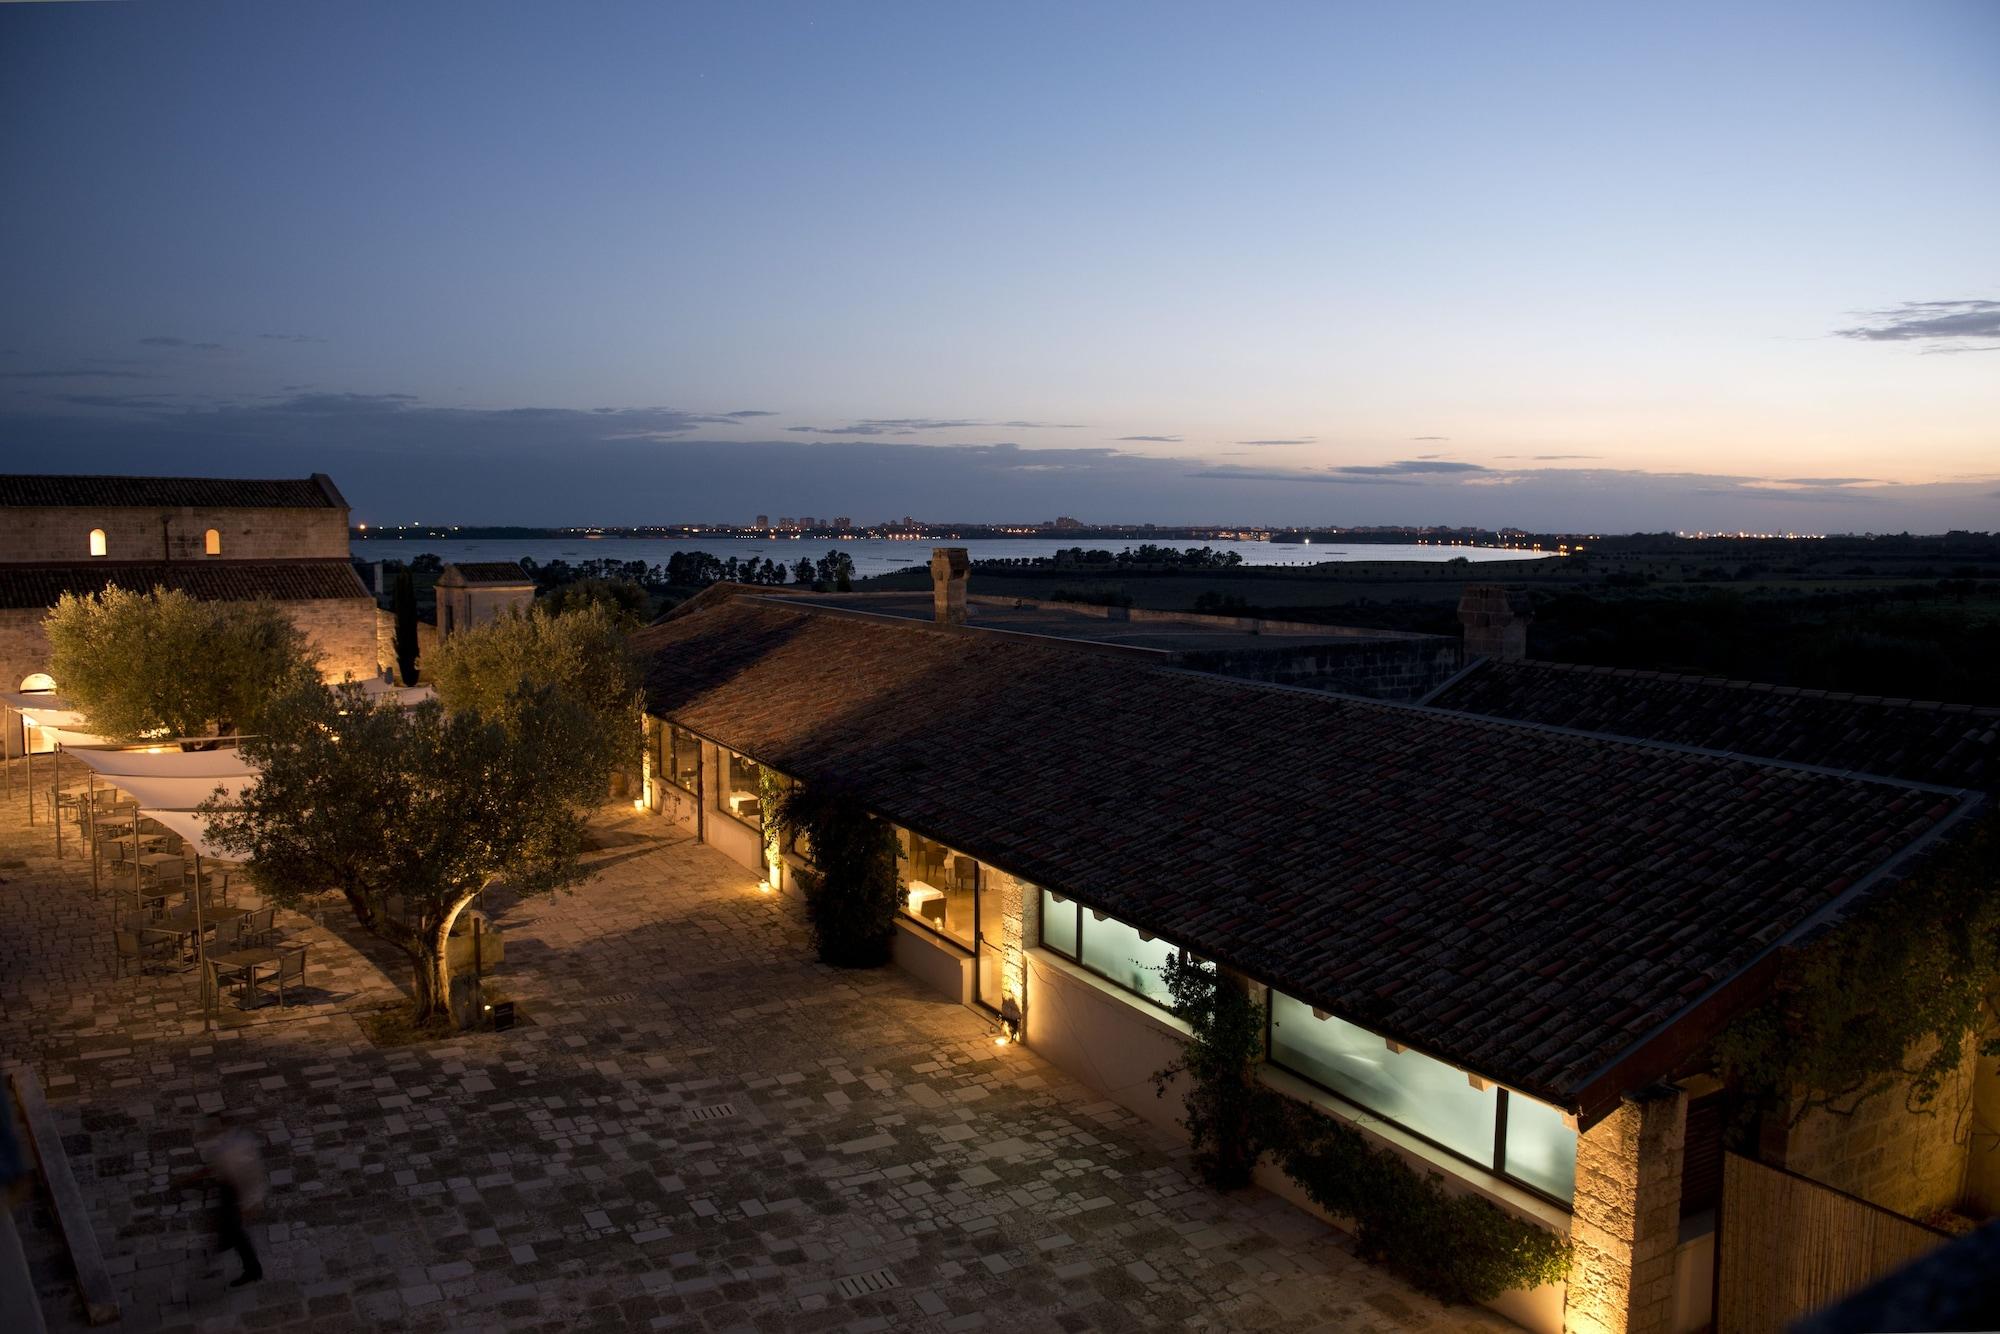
(243, 964)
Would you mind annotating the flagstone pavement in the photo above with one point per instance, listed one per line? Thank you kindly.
(697, 1127)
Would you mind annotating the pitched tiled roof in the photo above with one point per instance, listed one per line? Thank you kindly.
(59, 490)
(28, 586)
(1957, 745)
(486, 572)
(1524, 902)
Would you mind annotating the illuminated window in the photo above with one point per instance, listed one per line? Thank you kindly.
(1496, 1128)
(97, 541)
(37, 681)
(682, 753)
(738, 795)
(211, 542)
(940, 887)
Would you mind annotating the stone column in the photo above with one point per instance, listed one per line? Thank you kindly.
(950, 569)
(1626, 1225)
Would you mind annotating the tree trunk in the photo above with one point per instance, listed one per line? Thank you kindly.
(433, 964)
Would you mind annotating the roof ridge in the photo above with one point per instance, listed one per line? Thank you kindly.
(1029, 641)
(1737, 683)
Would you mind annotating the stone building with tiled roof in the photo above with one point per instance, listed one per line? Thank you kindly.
(473, 593)
(218, 538)
(1491, 944)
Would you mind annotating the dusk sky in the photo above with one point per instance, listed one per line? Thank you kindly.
(1582, 267)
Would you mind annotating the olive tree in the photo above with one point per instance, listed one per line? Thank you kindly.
(411, 812)
(165, 664)
(579, 654)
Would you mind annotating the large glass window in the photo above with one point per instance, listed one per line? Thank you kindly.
(941, 887)
(680, 757)
(1541, 1149)
(1126, 955)
(1413, 1090)
(738, 795)
(1059, 923)
(1427, 1096)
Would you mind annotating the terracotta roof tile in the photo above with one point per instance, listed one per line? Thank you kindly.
(64, 490)
(1341, 849)
(1953, 745)
(30, 586)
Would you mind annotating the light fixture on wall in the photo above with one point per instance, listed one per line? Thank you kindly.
(1009, 1027)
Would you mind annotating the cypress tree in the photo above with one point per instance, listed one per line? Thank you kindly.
(404, 600)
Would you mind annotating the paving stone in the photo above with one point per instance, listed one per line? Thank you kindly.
(536, 1179)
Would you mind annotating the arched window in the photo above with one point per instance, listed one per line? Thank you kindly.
(211, 542)
(36, 682)
(97, 541)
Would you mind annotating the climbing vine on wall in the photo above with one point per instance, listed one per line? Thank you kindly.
(850, 889)
(1887, 1000)
(1454, 1246)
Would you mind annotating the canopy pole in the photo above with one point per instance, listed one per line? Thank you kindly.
(201, 951)
(91, 797)
(29, 745)
(55, 800)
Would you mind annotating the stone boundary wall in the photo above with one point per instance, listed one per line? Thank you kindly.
(1912, 1163)
(1405, 669)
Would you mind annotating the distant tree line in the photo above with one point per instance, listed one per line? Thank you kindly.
(1146, 556)
(698, 569)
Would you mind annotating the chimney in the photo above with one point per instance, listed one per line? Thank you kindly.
(1495, 619)
(949, 568)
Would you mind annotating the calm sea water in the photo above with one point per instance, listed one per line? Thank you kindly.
(877, 556)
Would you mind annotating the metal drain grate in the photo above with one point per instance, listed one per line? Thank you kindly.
(713, 1112)
(861, 1285)
(615, 998)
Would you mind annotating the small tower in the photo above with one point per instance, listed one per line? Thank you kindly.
(950, 569)
(1495, 619)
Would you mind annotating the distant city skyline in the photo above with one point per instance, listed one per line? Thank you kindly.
(1557, 268)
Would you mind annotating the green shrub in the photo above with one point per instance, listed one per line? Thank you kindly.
(850, 889)
(1456, 1247)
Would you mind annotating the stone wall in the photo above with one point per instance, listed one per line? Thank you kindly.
(1626, 1224)
(63, 534)
(1910, 1163)
(1399, 669)
(343, 629)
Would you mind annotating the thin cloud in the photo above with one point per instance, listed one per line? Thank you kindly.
(1430, 437)
(1302, 440)
(1153, 439)
(162, 340)
(1948, 326)
(1228, 472)
(291, 338)
(77, 375)
(744, 414)
(1407, 466)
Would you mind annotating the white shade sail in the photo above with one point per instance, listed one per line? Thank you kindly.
(42, 708)
(193, 828)
(163, 762)
(179, 794)
(382, 692)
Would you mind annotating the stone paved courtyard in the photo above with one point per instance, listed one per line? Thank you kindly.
(698, 1127)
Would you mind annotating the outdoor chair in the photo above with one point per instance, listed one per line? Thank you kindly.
(142, 948)
(228, 935)
(291, 970)
(258, 925)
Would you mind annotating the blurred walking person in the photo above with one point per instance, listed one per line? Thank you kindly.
(230, 1162)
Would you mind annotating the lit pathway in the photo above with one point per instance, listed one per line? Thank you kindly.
(700, 1128)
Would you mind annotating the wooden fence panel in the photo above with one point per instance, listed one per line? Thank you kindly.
(1789, 1245)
